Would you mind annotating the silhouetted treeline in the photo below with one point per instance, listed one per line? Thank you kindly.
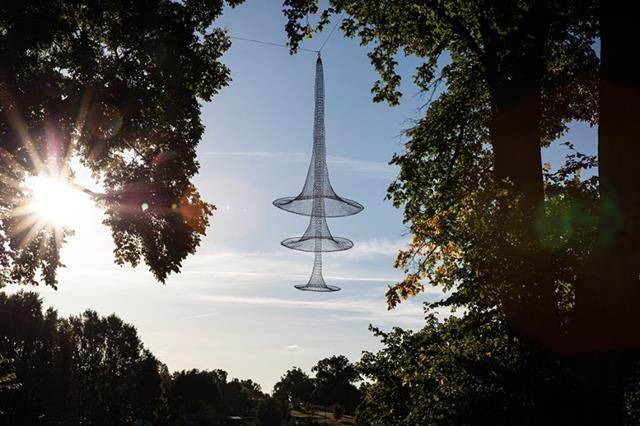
(90, 369)
(94, 370)
(333, 386)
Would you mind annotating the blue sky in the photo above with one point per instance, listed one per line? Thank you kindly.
(234, 306)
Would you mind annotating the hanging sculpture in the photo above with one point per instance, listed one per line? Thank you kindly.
(318, 200)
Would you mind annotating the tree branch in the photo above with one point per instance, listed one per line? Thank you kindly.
(457, 27)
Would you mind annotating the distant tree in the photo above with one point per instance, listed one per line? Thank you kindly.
(117, 85)
(295, 386)
(338, 412)
(112, 368)
(269, 413)
(195, 396)
(206, 397)
(151, 398)
(84, 370)
(334, 383)
(241, 397)
(29, 337)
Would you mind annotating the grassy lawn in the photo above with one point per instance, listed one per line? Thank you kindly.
(322, 417)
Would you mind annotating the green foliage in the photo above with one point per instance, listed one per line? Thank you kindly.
(333, 385)
(116, 85)
(194, 395)
(294, 388)
(334, 382)
(464, 370)
(204, 396)
(7, 379)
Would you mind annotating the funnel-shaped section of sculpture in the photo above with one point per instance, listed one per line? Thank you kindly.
(316, 281)
(317, 184)
(318, 237)
(335, 206)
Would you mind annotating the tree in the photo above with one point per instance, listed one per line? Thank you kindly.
(206, 397)
(90, 369)
(334, 383)
(269, 413)
(7, 380)
(548, 253)
(28, 336)
(86, 369)
(466, 370)
(151, 394)
(195, 396)
(506, 59)
(338, 412)
(294, 387)
(116, 85)
(241, 397)
(112, 368)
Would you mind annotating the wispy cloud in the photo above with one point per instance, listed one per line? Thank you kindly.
(377, 247)
(293, 347)
(370, 261)
(200, 316)
(375, 168)
(293, 157)
(363, 166)
(351, 308)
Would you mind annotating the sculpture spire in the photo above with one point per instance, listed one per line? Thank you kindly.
(318, 200)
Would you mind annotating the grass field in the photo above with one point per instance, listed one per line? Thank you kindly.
(320, 417)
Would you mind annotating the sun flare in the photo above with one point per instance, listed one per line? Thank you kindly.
(55, 201)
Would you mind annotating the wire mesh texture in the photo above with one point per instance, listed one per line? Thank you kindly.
(318, 200)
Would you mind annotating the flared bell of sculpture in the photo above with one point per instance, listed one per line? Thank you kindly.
(317, 184)
(329, 244)
(316, 281)
(318, 237)
(337, 206)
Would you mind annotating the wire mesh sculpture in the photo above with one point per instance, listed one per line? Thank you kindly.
(318, 200)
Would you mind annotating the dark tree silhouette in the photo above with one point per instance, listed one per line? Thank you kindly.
(206, 397)
(28, 336)
(269, 413)
(294, 387)
(241, 397)
(195, 396)
(334, 383)
(87, 369)
(117, 85)
(150, 396)
(90, 369)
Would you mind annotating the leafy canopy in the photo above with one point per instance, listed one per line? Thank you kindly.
(116, 85)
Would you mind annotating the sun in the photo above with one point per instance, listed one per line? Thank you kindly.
(55, 201)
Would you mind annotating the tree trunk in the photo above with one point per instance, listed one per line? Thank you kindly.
(606, 331)
(619, 157)
(516, 89)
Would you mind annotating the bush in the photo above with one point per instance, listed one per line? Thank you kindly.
(269, 413)
(338, 411)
